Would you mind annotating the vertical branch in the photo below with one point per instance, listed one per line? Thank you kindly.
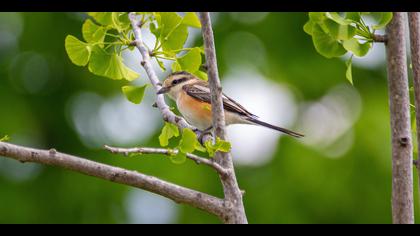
(233, 197)
(414, 25)
(402, 163)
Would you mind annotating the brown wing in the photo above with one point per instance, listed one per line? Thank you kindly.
(201, 91)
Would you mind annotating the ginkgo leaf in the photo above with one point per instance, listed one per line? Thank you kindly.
(191, 19)
(110, 65)
(92, 32)
(191, 61)
(79, 52)
(134, 94)
(103, 18)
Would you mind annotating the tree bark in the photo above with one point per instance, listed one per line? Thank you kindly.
(233, 195)
(399, 102)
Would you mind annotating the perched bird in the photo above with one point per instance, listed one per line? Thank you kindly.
(192, 97)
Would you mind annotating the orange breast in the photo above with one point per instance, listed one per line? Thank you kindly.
(196, 112)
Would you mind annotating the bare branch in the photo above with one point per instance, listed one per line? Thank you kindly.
(163, 151)
(414, 25)
(167, 114)
(115, 174)
(379, 38)
(233, 194)
(402, 161)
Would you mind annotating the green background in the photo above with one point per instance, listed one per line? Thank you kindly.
(301, 183)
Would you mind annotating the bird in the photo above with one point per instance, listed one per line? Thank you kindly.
(193, 99)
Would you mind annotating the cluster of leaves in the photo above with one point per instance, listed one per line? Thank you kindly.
(334, 34)
(188, 143)
(107, 34)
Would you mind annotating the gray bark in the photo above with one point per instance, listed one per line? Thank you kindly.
(399, 102)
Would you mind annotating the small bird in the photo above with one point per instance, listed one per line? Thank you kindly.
(193, 99)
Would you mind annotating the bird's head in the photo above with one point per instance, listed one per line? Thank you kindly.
(174, 82)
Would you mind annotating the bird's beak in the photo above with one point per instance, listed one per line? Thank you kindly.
(163, 90)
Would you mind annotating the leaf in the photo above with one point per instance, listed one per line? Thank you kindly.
(354, 16)
(173, 33)
(317, 17)
(92, 32)
(340, 32)
(176, 66)
(178, 158)
(5, 138)
(308, 27)
(349, 75)
(191, 61)
(160, 63)
(134, 94)
(325, 44)
(359, 49)
(383, 19)
(188, 141)
(191, 19)
(120, 21)
(220, 145)
(202, 75)
(337, 18)
(168, 131)
(103, 18)
(78, 51)
(110, 65)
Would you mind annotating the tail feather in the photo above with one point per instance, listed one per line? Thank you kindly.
(283, 130)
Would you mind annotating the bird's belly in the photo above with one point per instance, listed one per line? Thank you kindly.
(196, 113)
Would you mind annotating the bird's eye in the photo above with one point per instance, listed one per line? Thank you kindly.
(175, 82)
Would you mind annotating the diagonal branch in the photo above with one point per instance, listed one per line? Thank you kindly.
(167, 114)
(115, 174)
(233, 194)
(163, 151)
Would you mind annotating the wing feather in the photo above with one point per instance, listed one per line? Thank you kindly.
(201, 91)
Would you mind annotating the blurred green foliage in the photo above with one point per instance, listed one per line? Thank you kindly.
(299, 185)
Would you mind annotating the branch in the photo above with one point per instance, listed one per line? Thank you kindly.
(414, 24)
(231, 189)
(402, 161)
(379, 38)
(167, 114)
(163, 151)
(114, 174)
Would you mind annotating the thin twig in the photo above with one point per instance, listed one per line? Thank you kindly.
(379, 38)
(172, 191)
(163, 151)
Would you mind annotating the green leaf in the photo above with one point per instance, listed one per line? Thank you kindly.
(338, 31)
(178, 158)
(173, 33)
(337, 18)
(168, 131)
(383, 19)
(191, 61)
(133, 93)
(202, 75)
(317, 17)
(110, 65)
(308, 27)
(191, 19)
(92, 32)
(78, 51)
(176, 66)
(188, 141)
(5, 138)
(160, 63)
(220, 145)
(359, 49)
(103, 18)
(349, 75)
(325, 44)
(354, 16)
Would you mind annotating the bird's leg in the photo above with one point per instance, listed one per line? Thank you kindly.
(204, 133)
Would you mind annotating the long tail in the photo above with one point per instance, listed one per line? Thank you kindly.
(286, 131)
